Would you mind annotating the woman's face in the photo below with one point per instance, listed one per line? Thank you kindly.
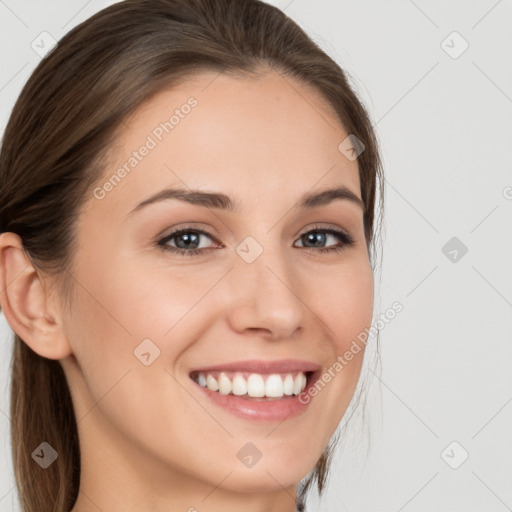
(144, 317)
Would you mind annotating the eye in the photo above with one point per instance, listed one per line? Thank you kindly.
(188, 240)
(318, 236)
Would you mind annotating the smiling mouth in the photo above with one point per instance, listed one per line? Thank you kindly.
(255, 386)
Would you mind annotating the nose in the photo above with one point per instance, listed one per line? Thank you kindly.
(264, 296)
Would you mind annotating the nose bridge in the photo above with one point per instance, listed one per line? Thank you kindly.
(265, 281)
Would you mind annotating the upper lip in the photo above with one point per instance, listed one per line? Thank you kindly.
(261, 366)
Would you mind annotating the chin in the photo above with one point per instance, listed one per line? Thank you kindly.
(269, 478)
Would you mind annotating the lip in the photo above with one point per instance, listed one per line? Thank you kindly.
(276, 410)
(263, 367)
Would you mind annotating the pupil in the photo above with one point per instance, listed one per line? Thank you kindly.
(320, 238)
(189, 239)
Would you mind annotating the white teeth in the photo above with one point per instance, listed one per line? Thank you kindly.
(256, 385)
(224, 385)
(239, 385)
(288, 385)
(274, 386)
(211, 383)
(297, 386)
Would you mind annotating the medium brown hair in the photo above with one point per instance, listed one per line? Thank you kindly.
(54, 149)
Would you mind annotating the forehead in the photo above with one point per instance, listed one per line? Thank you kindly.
(251, 138)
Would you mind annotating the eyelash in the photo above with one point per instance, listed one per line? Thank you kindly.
(346, 240)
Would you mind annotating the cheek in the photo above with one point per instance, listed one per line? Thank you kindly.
(346, 310)
(351, 322)
(110, 320)
(347, 304)
(123, 306)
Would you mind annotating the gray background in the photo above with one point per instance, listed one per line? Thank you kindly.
(445, 125)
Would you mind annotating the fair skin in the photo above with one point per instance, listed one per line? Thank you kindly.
(149, 438)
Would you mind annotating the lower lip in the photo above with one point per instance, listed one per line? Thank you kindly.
(262, 410)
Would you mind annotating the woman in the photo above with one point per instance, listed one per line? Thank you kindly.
(187, 203)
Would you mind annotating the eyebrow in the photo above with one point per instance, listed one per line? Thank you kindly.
(221, 201)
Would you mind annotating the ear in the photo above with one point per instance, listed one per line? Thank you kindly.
(25, 301)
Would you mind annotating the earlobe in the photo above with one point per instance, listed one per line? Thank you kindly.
(25, 302)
